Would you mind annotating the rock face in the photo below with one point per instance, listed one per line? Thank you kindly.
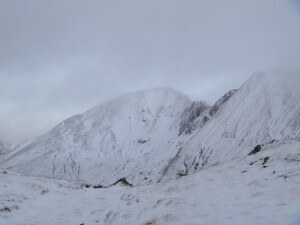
(218, 105)
(193, 117)
(157, 135)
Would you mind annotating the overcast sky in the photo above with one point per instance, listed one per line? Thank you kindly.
(61, 57)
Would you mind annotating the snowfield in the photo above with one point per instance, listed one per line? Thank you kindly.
(156, 157)
(252, 190)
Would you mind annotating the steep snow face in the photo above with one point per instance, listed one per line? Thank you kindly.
(133, 136)
(265, 108)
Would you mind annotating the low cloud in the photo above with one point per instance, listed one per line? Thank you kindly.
(59, 58)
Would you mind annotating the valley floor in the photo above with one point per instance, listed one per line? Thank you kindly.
(254, 190)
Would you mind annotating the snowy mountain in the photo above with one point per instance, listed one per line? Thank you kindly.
(238, 161)
(157, 135)
(133, 136)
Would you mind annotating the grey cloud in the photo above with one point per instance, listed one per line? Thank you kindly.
(59, 58)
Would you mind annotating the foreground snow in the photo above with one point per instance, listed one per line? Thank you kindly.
(252, 190)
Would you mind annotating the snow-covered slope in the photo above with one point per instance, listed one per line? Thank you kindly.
(258, 189)
(157, 135)
(265, 108)
(133, 136)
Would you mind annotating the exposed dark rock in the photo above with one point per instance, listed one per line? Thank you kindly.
(166, 169)
(122, 181)
(192, 164)
(283, 176)
(98, 186)
(141, 141)
(266, 159)
(295, 159)
(257, 149)
(44, 191)
(152, 222)
(193, 117)
(5, 209)
(213, 111)
(86, 185)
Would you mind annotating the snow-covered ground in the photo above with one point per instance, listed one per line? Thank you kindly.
(261, 189)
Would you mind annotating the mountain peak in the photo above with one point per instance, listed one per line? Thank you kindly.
(287, 79)
(142, 100)
(157, 94)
